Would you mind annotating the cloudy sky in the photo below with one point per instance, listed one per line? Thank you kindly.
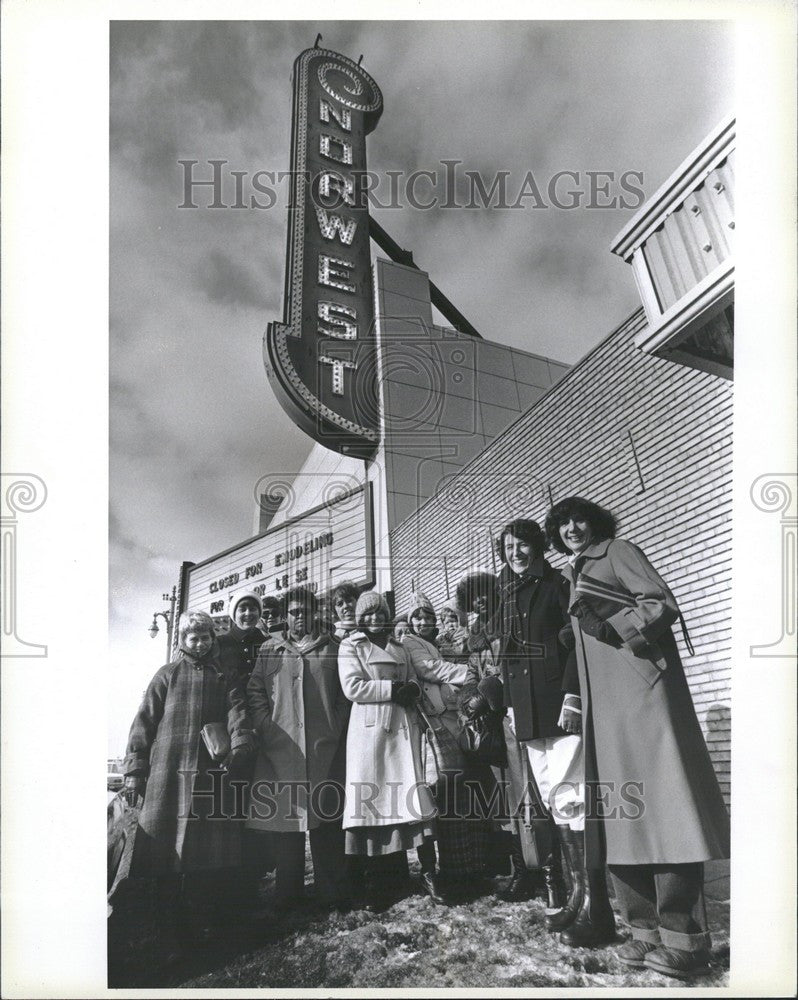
(194, 423)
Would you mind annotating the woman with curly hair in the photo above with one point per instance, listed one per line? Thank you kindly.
(641, 735)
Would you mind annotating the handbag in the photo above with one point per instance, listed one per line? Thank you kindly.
(216, 740)
(440, 751)
(482, 740)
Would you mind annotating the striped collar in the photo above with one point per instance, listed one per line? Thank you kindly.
(593, 551)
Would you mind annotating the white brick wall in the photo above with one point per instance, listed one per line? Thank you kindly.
(574, 441)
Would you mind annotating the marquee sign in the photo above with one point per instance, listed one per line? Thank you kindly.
(322, 358)
(318, 549)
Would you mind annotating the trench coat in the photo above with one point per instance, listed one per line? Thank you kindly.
(639, 721)
(300, 715)
(536, 670)
(440, 679)
(164, 741)
(384, 771)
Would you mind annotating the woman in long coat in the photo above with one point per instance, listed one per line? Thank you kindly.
(190, 820)
(441, 680)
(300, 715)
(388, 809)
(665, 813)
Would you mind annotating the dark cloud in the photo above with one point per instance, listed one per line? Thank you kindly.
(229, 281)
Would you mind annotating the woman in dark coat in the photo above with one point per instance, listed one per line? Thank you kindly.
(541, 693)
(643, 742)
(490, 828)
(168, 763)
(240, 646)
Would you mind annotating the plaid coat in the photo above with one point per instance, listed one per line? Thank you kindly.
(176, 832)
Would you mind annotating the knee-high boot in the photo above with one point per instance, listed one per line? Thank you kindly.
(594, 923)
(572, 856)
(522, 882)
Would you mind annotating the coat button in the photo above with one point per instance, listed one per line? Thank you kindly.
(525, 670)
(512, 674)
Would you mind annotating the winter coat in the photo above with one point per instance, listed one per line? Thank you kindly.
(300, 715)
(239, 648)
(537, 670)
(164, 741)
(639, 721)
(482, 663)
(440, 680)
(384, 772)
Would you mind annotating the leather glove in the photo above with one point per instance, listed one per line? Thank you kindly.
(475, 706)
(134, 788)
(235, 763)
(591, 624)
(566, 637)
(493, 689)
(405, 694)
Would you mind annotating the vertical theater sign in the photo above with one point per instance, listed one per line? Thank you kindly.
(322, 358)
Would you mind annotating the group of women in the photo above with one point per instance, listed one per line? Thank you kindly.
(559, 717)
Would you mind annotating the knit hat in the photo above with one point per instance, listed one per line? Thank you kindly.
(450, 606)
(371, 600)
(243, 595)
(419, 601)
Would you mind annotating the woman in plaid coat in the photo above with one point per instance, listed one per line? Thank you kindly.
(167, 762)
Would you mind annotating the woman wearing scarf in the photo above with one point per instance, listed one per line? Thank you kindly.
(343, 600)
(641, 733)
(541, 692)
(300, 715)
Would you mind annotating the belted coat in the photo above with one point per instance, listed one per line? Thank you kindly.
(384, 771)
(300, 716)
(642, 738)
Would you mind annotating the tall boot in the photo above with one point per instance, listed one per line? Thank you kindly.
(594, 923)
(522, 882)
(571, 842)
(430, 879)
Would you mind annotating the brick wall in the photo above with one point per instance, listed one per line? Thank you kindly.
(647, 438)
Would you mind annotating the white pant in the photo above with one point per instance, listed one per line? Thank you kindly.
(558, 765)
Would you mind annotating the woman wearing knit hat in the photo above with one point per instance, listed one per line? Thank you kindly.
(388, 808)
(239, 648)
(441, 681)
(452, 637)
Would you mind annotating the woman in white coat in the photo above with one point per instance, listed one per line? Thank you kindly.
(388, 808)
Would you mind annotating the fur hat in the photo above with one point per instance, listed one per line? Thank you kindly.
(371, 600)
(420, 602)
(244, 595)
(475, 584)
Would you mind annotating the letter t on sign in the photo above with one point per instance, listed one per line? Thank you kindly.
(338, 365)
